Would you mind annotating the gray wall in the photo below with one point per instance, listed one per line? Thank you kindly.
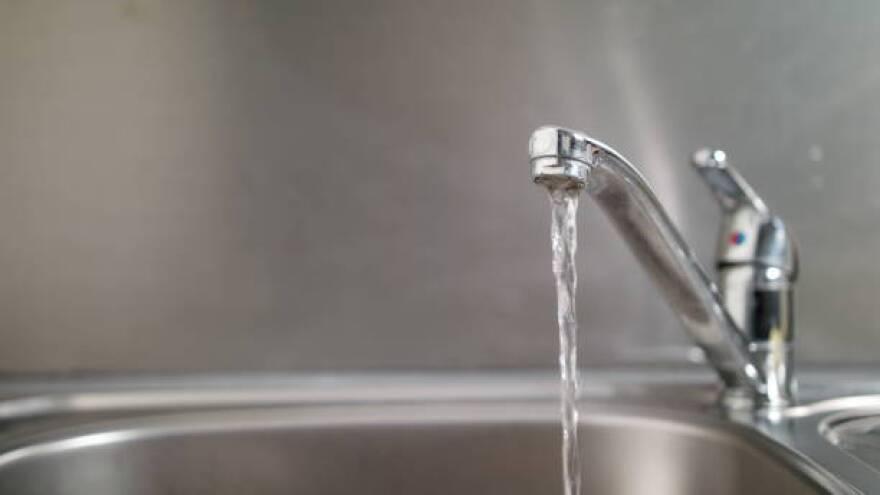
(247, 185)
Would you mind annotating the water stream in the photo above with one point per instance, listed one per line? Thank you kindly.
(564, 239)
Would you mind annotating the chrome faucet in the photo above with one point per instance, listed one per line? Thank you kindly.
(745, 328)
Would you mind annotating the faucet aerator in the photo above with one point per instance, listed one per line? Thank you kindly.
(561, 158)
(556, 173)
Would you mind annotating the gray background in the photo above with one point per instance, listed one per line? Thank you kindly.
(246, 185)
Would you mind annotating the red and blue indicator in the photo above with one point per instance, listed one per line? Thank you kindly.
(737, 238)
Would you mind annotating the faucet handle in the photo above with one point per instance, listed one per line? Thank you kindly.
(750, 233)
(728, 186)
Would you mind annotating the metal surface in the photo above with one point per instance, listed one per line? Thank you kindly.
(325, 184)
(642, 432)
(626, 198)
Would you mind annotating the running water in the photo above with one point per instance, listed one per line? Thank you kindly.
(564, 237)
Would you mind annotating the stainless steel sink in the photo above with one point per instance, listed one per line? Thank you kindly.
(429, 449)
(415, 437)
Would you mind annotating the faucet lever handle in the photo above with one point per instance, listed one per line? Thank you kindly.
(728, 186)
(750, 233)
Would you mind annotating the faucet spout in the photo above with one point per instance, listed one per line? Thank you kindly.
(565, 158)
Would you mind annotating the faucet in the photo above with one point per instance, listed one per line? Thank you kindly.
(745, 327)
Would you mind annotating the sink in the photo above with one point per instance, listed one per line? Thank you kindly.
(415, 449)
(859, 436)
(856, 429)
(466, 435)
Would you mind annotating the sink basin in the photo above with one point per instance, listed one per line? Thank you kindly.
(462, 448)
(859, 436)
(856, 429)
(643, 431)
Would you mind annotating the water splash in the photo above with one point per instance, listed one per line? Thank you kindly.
(564, 239)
